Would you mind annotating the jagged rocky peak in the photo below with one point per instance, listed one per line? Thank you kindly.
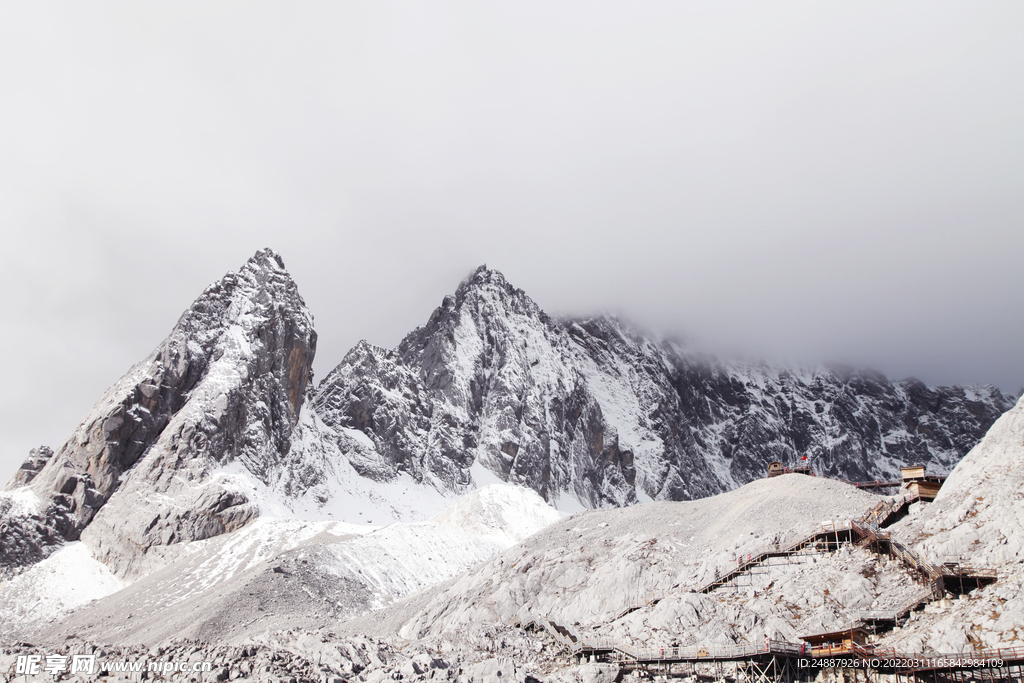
(484, 295)
(36, 460)
(483, 311)
(227, 384)
(483, 382)
(588, 413)
(485, 281)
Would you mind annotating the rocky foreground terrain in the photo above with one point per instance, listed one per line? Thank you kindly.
(424, 508)
(582, 570)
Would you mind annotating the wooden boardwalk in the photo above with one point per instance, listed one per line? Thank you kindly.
(779, 661)
(785, 662)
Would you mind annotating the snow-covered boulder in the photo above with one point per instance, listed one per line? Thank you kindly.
(978, 519)
(979, 512)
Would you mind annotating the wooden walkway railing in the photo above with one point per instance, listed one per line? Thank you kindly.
(909, 661)
(820, 533)
(899, 612)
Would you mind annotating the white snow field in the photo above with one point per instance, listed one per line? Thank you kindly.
(588, 568)
(49, 590)
(20, 502)
(340, 494)
(276, 573)
(503, 513)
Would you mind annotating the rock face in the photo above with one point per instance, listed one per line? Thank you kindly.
(37, 458)
(226, 385)
(590, 412)
(490, 379)
(977, 513)
(977, 518)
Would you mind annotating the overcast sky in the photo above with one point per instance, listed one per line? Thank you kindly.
(812, 181)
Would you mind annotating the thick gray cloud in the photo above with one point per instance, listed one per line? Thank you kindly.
(813, 181)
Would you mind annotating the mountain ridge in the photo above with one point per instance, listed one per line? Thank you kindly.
(221, 423)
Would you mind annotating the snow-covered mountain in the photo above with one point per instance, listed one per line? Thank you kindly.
(218, 425)
(977, 518)
(589, 413)
(294, 576)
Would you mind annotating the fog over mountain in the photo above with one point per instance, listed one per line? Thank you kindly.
(810, 183)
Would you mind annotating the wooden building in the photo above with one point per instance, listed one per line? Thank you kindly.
(776, 468)
(925, 489)
(917, 480)
(912, 472)
(837, 642)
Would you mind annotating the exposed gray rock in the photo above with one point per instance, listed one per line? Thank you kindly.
(493, 670)
(490, 378)
(295, 590)
(37, 458)
(227, 384)
(27, 538)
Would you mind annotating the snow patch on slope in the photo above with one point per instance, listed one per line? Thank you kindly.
(21, 502)
(52, 588)
(275, 572)
(221, 558)
(394, 560)
(401, 558)
(336, 492)
(503, 513)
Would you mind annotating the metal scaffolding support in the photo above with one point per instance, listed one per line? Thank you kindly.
(782, 662)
